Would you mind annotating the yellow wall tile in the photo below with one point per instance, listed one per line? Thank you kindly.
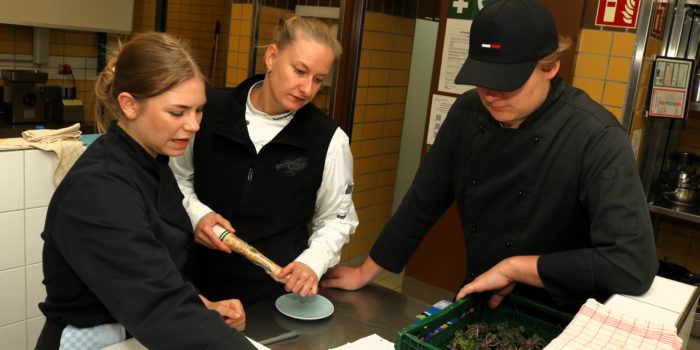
(375, 113)
(401, 61)
(614, 94)
(591, 66)
(383, 40)
(363, 77)
(381, 59)
(379, 77)
(359, 114)
(368, 42)
(376, 95)
(246, 28)
(398, 77)
(235, 27)
(236, 11)
(623, 44)
(373, 131)
(397, 95)
(247, 11)
(244, 43)
(595, 41)
(594, 88)
(9, 46)
(403, 43)
(361, 96)
(619, 69)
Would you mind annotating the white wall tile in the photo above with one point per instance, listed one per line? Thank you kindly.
(14, 336)
(33, 227)
(11, 239)
(38, 174)
(12, 184)
(36, 292)
(13, 297)
(34, 326)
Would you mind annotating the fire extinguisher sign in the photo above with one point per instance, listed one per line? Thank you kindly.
(617, 13)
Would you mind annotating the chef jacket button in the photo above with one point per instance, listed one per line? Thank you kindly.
(509, 244)
(482, 127)
(475, 228)
(522, 194)
(475, 181)
(536, 139)
(188, 246)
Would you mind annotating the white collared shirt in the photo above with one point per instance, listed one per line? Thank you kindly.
(334, 219)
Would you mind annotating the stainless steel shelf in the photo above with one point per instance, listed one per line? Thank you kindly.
(679, 211)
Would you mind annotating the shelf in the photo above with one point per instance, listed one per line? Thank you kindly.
(679, 211)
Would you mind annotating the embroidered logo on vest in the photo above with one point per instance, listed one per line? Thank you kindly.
(292, 166)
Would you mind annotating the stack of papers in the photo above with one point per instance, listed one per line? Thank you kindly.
(373, 342)
(596, 326)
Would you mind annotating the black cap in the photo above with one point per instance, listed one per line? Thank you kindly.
(507, 39)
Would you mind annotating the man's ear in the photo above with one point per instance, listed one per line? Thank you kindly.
(128, 105)
(553, 72)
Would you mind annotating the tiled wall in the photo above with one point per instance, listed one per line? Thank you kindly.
(77, 48)
(678, 242)
(378, 119)
(239, 43)
(196, 20)
(602, 68)
(193, 20)
(26, 189)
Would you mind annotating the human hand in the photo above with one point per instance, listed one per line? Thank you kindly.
(495, 279)
(231, 310)
(204, 233)
(343, 277)
(301, 279)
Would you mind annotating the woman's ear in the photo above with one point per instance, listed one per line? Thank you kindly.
(270, 56)
(128, 104)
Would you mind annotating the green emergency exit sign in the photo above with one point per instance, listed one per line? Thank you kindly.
(465, 9)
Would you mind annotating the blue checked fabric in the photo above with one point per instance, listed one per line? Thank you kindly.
(91, 338)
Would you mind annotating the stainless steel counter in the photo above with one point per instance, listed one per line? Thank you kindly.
(372, 309)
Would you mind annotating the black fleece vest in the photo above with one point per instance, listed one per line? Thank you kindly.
(269, 197)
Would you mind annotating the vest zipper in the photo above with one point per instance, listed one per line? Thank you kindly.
(250, 174)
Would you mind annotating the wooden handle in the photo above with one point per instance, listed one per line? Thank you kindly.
(249, 252)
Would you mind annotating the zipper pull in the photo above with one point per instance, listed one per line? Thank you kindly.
(250, 174)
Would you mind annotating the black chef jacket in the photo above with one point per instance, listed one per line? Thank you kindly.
(564, 185)
(115, 243)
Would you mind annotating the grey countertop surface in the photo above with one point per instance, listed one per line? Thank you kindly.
(357, 314)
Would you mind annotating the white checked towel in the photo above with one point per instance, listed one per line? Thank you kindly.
(595, 326)
(92, 338)
(65, 143)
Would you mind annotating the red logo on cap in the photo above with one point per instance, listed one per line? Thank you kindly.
(491, 46)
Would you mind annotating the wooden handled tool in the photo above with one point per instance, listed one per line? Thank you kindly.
(249, 252)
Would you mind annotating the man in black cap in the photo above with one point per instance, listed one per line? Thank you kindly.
(544, 178)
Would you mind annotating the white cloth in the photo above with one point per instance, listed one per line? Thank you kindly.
(64, 143)
(597, 327)
(334, 219)
(92, 338)
(370, 342)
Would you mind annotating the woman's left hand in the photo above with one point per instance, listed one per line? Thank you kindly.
(231, 310)
(302, 279)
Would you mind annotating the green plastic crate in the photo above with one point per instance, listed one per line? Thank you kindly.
(536, 318)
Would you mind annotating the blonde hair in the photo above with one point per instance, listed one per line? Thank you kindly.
(548, 62)
(290, 26)
(148, 65)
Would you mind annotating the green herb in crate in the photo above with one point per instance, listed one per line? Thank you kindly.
(496, 336)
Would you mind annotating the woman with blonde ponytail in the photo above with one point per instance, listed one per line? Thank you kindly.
(273, 168)
(116, 234)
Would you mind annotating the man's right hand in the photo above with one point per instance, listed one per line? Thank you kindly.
(350, 278)
(204, 233)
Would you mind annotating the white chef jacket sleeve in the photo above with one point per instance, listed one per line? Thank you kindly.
(183, 169)
(335, 218)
